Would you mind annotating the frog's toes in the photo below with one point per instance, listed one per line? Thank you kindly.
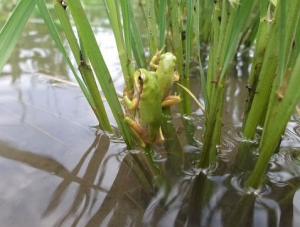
(170, 100)
(156, 58)
(176, 76)
(159, 52)
(160, 137)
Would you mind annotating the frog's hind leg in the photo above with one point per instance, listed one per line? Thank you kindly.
(136, 130)
(170, 100)
(156, 57)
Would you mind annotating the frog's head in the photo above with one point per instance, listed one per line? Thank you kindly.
(139, 79)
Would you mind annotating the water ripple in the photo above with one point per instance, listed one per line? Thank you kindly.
(296, 129)
(291, 134)
(238, 183)
(293, 156)
(284, 166)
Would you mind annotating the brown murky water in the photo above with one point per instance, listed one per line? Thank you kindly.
(57, 169)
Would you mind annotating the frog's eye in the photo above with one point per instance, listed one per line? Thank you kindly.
(141, 78)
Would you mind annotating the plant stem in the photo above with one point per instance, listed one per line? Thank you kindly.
(85, 70)
(283, 98)
(125, 56)
(93, 52)
(152, 30)
(162, 22)
(228, 24)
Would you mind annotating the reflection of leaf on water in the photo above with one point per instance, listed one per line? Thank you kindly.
(85, 200)
(44, 163)
(125, 202)
(52, 166)
(121, 198)
(122, 194)
(100, 147)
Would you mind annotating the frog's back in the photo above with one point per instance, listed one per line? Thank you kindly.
(165, 72)
(150, 102)
(150, 108)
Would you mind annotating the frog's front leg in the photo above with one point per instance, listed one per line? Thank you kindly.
(170, 100)
(155, 59)
(137, 131)
(130, 104)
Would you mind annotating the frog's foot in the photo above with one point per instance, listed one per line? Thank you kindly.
(156, 58)
(176, 76)
(170, 100)
(160, 137)
(136, 131)
(130, 104)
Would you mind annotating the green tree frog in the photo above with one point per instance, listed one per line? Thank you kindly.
(167, 75)
(146, 102)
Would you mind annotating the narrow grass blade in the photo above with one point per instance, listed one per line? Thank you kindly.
(285, 92)
(289, 20)
(89, 88)
(13, 27)
(189, 36)
(51, 27)
(240, 16)
(262, 39)
(152, 28)
(162, 22)
(93, 52)
(126, 27)
(137, 45)
(176, 33)
(280, 113)
(198, 53)
(228, 25)
(193, 97)
(127, 67)
(176, 23)
(263, 85)
(204, 20)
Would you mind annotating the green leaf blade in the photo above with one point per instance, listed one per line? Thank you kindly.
(12, 29)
